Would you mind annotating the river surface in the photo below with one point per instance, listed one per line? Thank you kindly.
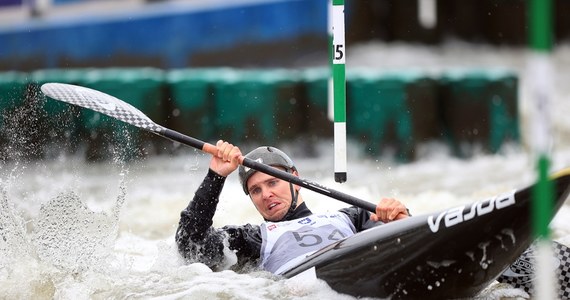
(72, 229)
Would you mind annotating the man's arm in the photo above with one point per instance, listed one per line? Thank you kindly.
(197, 240)
(387, 210)
(359, 217)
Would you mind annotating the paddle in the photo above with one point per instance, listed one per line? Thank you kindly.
(122, 111)
(520, 274)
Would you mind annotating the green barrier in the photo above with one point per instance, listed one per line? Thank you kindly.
(256, 105)
(503, 110)
(479, 108)
(289, 107)
(423, 101)
(12, 92)
(379, 112)
(192, 101)
(315, 85)
(12, 95)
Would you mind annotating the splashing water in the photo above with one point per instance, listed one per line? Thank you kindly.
(72, 237)
(13, 241)
(68, 241)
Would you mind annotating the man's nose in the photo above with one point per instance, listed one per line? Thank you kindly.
(266, 192)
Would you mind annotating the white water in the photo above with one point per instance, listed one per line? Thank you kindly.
(77, 230)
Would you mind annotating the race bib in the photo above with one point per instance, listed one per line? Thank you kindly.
(285, 243)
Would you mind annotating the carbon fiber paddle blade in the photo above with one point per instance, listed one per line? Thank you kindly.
(100, 102)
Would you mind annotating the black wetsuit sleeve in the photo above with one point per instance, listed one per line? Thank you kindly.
(246, 242)
(199, 241)
(361, 218)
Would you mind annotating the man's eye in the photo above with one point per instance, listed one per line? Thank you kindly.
(272, 182)
(254, 191)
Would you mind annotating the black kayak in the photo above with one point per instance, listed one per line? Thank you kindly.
(454, 253)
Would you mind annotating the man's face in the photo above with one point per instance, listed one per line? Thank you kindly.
(271, 196)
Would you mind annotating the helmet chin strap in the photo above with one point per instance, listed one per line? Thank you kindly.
(294, 196)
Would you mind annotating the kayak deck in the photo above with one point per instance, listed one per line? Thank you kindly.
(458, 251)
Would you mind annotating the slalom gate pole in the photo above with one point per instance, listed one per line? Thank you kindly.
(339, 90)
(330, 91)
(541, 72)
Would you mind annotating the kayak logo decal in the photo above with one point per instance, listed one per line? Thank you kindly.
(464, 213)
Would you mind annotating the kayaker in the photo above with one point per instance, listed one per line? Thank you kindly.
(290, 231)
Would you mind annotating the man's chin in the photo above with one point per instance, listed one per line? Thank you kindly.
(276, 217)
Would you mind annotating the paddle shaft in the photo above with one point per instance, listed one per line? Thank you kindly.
(211, 149)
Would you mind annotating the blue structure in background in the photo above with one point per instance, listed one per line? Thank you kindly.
(22, 2)
(66, 1)
(169, 33)
(10, 2)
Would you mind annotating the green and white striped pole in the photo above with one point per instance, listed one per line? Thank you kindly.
(330, 110)
(338, 53)
(541, 78)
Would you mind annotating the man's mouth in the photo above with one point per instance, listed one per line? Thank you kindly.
(272, 205)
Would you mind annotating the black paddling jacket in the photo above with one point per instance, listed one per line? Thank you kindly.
(198, 241)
